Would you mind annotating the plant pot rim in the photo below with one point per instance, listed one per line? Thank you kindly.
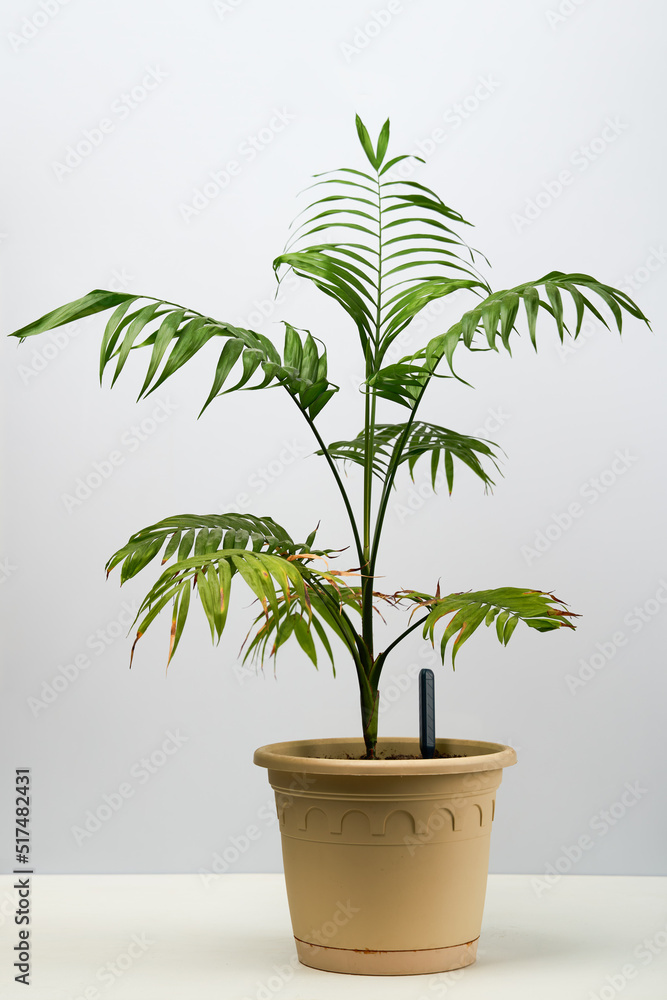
(310, 756)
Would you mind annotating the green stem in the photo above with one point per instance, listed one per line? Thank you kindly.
(369, 435)
(389, 480)
(336, 475)
(370, 710)
(367, 579)
(381, 659)
(348, 634)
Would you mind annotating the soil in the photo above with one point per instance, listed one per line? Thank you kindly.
(418, 756)
(391, 756)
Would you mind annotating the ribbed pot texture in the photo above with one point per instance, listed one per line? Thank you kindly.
(386, 861)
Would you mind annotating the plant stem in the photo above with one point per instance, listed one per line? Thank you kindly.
(339, 482)
(369, 435)
(389, 480)
(381, 659)
(370, 705)
(367, 580)
(349, 635)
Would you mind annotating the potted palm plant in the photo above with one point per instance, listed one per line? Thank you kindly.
(385, 851)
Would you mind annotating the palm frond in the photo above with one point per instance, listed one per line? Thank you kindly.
(211, 573)
(295, 597)
(326, 607)
(506, 606)
(495, 317)
(390, 249)
(175, 334)
(408, 442)
(201, 534)
(329, 601)
(493, 321)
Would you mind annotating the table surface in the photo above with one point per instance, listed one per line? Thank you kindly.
(189, 937)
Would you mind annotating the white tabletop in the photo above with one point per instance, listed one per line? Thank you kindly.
(173, 937)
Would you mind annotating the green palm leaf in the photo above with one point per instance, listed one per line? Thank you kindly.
(507, 606)
(212, 574)
(200, 534)
(94, 302)
(373, 224)
(181, 333)
(407, 443)
(295, 598)
(496, 315)
(326, 603)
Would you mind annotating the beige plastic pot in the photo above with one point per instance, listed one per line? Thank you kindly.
(386, 861)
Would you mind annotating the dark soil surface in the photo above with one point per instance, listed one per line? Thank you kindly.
(418, 756)
(392, 756)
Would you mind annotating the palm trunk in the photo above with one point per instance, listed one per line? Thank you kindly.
(370, 705)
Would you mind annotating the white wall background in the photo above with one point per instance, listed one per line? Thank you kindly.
(547, 84)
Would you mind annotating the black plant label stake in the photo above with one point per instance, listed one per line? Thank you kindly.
(427, 712)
